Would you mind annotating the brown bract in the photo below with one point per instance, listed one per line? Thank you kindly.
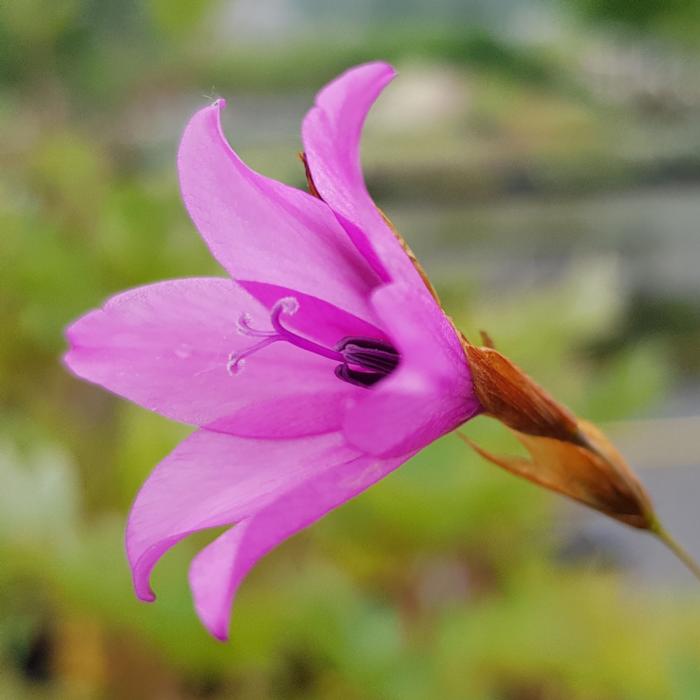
(507, 393)
(566, 454)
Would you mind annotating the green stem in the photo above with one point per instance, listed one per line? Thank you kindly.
(676, 548)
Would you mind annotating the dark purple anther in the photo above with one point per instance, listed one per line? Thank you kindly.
(367, 360)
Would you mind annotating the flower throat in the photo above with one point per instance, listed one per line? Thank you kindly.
(362, 361)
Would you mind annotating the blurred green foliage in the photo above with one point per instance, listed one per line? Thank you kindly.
(653, 16)
(443, 580)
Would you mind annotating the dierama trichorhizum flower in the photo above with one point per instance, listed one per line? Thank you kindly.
(322, 364)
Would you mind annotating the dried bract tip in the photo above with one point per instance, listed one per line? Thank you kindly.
(487, 340)
(309, 178)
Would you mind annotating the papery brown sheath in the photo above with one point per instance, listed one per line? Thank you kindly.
(567, 455)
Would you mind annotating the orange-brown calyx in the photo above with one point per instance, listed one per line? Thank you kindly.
(508, 394)
(566, 454)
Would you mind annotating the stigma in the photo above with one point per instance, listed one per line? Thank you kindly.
(362, 361)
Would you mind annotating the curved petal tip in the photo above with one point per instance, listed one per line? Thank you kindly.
(363, 82)
(140, 573)
(371, 68)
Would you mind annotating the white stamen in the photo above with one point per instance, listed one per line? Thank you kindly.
(235, 363)
(243, 324)
(288, 305)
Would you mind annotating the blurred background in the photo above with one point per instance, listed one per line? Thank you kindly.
(543, 160)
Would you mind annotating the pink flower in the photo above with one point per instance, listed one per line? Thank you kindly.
(320, 366)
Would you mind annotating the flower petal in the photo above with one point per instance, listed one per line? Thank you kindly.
(166, 347)
(331, 133)
(214, 479)
(429, 394)
(218, 570)
(262, 230)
